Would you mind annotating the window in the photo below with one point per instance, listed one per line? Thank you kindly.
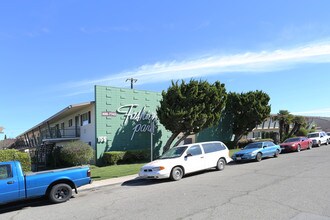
(212, 147)
(70, 123)
(270, 144)
(194, 150)
(85, 118)
(5, 171)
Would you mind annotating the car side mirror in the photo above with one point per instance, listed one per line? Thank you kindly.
(188, 155)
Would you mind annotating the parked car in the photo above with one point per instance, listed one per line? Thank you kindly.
(319, 138)
(256, 151)
(296, 144)
(57, 185)
(181, 160)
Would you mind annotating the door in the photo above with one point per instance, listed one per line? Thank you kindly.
(194, 159)
(213, 152)
(268, 149)
(9, 186)
(304, 143)
(272, 148)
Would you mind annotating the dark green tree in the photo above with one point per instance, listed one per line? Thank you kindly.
(188, 108)
(244, 111)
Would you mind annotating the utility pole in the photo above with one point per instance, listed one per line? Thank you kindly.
(132, 81)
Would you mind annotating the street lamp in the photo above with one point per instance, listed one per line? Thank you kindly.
(152, 129)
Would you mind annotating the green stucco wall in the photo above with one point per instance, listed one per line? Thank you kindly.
(124, 118)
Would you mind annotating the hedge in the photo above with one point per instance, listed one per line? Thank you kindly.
(242, 143)
(125, 157)
(12, 154)
(76, 153)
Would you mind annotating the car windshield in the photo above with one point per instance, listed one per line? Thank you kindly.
(174, 152)
(313, 135)
(291, 140)
(253, 145)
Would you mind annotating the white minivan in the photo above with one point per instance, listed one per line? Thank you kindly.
(181, 160)
(319, 138)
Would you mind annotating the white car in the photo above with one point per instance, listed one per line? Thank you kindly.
(181, 160)
(319, 138)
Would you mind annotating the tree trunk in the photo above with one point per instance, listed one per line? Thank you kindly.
(181, 139)
(236, 139)
(169, 141)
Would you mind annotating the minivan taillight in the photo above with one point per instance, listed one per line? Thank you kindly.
(89, 173)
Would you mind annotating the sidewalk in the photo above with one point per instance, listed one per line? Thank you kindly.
(108, 182)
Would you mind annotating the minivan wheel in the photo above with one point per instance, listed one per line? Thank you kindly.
(258, 157)
(221, 164)
(176, 173)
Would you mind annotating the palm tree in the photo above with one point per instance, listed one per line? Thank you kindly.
(285, 119)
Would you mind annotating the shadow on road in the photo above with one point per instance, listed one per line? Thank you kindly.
(24, 204)
(144, 182)
(16, 206)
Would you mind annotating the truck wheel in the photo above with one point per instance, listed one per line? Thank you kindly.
(60, 193)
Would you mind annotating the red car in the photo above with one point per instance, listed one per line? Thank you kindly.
(296, 144)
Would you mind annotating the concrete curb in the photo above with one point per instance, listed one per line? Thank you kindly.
(108, 182)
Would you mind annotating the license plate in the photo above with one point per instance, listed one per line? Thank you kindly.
(238, 158)
(282, 148)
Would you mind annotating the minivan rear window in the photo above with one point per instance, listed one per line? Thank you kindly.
(212, 147)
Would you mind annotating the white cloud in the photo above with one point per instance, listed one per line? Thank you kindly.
(249, 62)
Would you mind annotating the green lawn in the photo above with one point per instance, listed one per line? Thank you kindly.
(101, 173)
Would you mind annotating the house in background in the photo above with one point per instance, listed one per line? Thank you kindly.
(271, 126)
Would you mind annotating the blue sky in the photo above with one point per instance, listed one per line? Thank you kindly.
(52, 53)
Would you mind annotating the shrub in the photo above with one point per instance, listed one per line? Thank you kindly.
(12, 154)
(302, 132)
(76, 153)
(135, 156)
(113, 157)
(125, 157)
(242, 143)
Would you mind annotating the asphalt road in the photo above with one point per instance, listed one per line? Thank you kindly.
(292, 186)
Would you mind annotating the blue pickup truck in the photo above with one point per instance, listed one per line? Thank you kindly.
(57, 185)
